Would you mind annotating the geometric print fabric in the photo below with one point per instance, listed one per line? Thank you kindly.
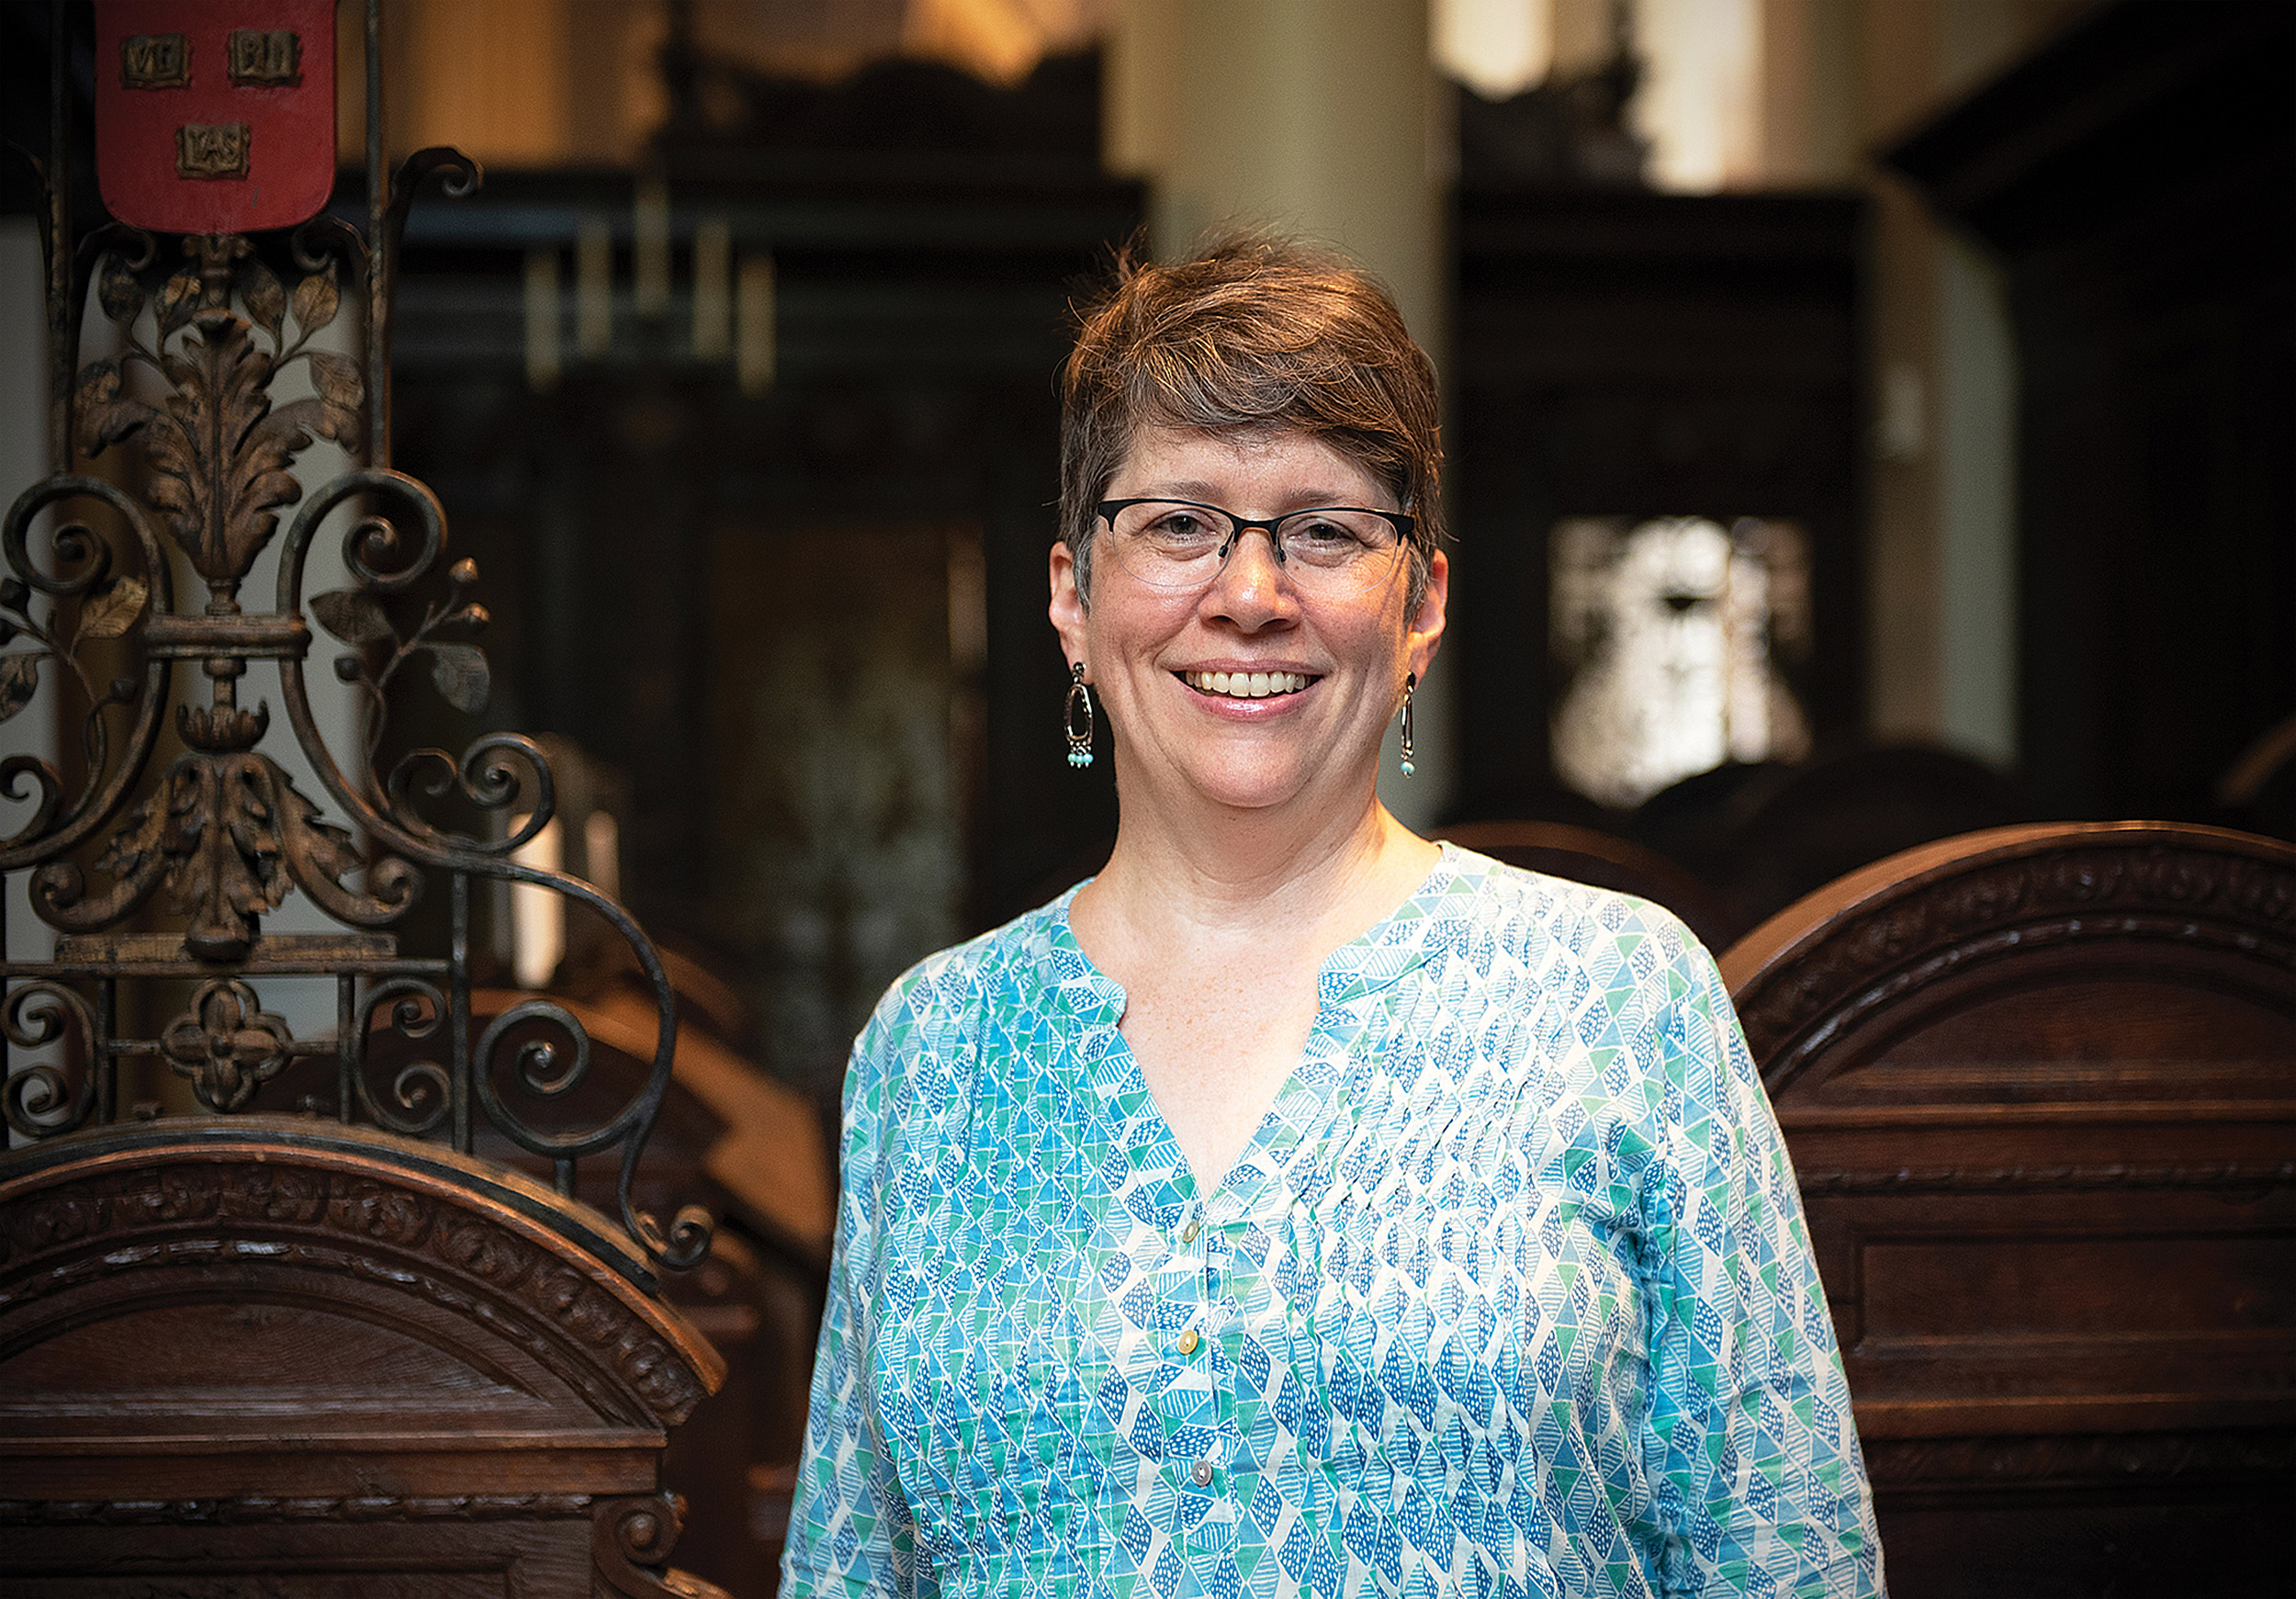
(1510, 1294)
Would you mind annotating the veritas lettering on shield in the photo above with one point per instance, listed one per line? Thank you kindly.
(212, 150)
(154, 61)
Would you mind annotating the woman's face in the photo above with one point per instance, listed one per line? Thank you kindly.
(1149, 653)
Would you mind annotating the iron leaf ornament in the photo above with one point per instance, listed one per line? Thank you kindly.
(228, 837)
(458, 668)
(218, 447)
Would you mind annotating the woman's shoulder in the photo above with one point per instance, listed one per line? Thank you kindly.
(1517, 905)
(956, 987)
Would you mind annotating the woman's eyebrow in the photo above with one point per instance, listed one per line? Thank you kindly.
(1312, 498)
(1188, 489)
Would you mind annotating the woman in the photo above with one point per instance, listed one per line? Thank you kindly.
(1299, 1206)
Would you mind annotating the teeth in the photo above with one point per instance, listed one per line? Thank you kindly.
(1245, 685)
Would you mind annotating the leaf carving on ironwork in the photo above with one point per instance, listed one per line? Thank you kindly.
(19, 676)
(275, 839)
(218, 450)
(179, 298)
(222, 847)
(265, 298)
(117, 291)
(106, 417)
(328, 850)
(460, 672)
(113, 608)
(316, 300)
(337, 380)
(134, 852)
(353, 616)
(225, 729)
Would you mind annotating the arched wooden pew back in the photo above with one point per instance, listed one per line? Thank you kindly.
(278, 1356)
(2040, 1086)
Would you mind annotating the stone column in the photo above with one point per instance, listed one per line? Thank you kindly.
(1316, 117)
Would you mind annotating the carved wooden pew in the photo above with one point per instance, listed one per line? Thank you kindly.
(280, 1356)
(2040, 1086)
(755, 1154)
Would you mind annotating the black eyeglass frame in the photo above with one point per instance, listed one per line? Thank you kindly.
(1403, 522)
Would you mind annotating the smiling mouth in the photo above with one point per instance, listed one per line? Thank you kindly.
(1246, 685)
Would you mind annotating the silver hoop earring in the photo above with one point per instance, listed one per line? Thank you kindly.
(1079, 701)
(1411, 682)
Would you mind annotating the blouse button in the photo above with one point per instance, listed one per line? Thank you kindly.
(1188, 1234)
(1188, 1342)
(1201, 1473)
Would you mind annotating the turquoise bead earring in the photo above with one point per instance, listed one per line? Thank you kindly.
(1077, 707)
(1411, 682)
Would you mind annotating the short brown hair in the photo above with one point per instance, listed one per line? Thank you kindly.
(1253, 332)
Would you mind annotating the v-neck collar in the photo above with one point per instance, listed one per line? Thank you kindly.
(1299, 1121)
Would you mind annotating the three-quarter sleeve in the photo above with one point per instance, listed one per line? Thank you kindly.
(848, 1527)
(1753, 1455)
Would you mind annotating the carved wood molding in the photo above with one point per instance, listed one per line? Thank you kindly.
(1818, 969)
(631, 1538)
(259, 1509)
(2143, 1458)
(188, 1206)
(2226, 1175)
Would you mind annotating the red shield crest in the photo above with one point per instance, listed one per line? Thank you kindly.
(215, 116)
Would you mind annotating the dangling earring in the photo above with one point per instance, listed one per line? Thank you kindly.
(1411, 682)
(1079, 699)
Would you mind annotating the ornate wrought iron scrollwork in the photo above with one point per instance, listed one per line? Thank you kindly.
(213, 343)
(40, 1100)
(106, 606)
(423, 1093)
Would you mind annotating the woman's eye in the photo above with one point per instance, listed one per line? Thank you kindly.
(1181, 526)
(1329, 534)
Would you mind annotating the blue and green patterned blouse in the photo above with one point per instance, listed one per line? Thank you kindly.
(1509, 1295)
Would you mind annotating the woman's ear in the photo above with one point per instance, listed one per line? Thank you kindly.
(1427, 627)
(1067, 606)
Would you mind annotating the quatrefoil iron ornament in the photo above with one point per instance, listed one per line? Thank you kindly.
(226, 1044)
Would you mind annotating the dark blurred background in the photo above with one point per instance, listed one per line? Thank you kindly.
(1869, 418)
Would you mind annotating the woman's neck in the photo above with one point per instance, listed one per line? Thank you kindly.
(1250, 879)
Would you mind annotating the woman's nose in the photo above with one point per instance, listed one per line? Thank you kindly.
(1251, 586)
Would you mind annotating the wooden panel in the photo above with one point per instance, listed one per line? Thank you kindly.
(2163, 1545)
(295, 1355)
(385, 1559)
(1987, 1293)
(2040, 1087)
(255, 1355)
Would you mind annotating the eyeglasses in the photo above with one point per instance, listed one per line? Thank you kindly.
(1330, 551)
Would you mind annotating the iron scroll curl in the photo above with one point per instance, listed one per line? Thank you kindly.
(423, 1090)
(55, 827)
(39, 1099)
